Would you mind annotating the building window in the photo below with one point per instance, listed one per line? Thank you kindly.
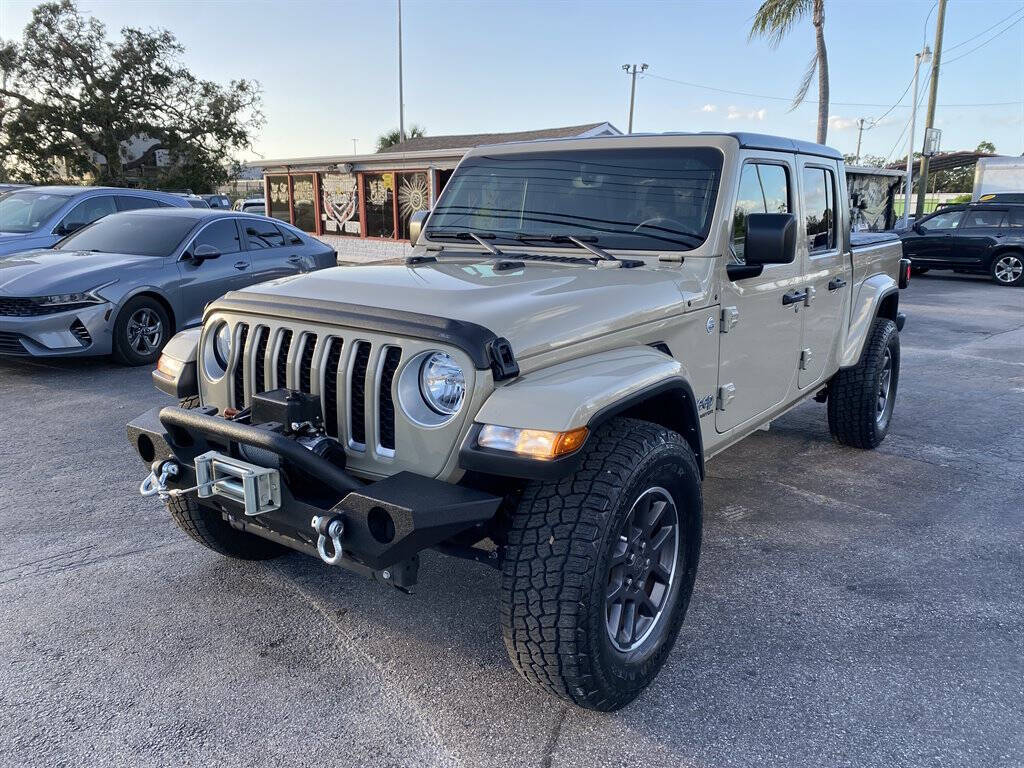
(379, 203)
(442, 181)
(413, 195)
(303, 203)
(277, 191)
(339, 204)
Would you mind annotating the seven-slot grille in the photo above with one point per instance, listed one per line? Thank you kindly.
(326, 365)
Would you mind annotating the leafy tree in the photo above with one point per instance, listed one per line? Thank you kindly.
(773, 20)
(869, 161)
(391, 138)
(986, 146)
(68, 96)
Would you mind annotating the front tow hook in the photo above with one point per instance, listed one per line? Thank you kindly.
(329, 527)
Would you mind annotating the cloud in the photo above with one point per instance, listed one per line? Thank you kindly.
(837, 123)
(735, 113)
(709, 108)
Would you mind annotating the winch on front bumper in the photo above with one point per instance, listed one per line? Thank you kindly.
(282, 479)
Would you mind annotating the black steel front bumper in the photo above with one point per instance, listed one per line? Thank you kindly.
(386, 523)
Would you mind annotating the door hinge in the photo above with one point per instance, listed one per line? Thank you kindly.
(805, 359)
(730, 316)
(726, 393)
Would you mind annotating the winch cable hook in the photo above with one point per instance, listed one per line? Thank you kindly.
(329, 527)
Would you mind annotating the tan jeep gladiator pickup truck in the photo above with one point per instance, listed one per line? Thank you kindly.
(580, 326)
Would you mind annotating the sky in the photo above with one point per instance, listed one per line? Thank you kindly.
(328, 69)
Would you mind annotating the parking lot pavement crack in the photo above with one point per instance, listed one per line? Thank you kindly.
(384, 678)
(70, 560)
(552, 742)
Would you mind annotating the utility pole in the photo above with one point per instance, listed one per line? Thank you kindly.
(632, 90)
(354, 151)
(919, 59)
(922, 187)
(401, 100)
(860, 134)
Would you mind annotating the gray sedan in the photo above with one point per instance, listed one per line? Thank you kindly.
(124, 284)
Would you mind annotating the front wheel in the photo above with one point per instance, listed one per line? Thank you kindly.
(599, 566)
(140, 331)
(1008, 269)
(861, 399)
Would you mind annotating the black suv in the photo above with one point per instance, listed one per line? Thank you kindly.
(977, 237)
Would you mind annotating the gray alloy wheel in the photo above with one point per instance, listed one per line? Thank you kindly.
(886, 392)
(1008, 269)
(642, 569)
(145, 331)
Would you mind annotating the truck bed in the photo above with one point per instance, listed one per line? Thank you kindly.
(871, 238)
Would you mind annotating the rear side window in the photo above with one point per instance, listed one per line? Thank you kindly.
(819, 209)
(1015, 219)
(222, 235)
(133, 203)
(983, 218)
(764, 188)
(263, 234)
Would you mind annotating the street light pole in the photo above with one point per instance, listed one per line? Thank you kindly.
(922, 188)
(919, 58)
(632, 90)
(401, 100)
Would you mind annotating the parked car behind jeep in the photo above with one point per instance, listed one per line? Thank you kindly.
(38, 217)
(125, 283)
(979, 238)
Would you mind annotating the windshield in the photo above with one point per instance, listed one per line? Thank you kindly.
(27, 211)
(637, 199)
(138, 234)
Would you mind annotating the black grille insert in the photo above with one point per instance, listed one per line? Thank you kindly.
(386, 403)
(238, 376)
(282, 358)
(81, 333)
(357, 392)
(260, 363)
(306, 364)
(330, 395)
(10, 344)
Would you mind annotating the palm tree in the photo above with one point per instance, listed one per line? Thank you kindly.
(391, 138)
(773, 20)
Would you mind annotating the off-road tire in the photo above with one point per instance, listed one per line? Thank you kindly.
(121, 349)
(853, 394)
(558, 555)
(207, 527)
(1007, 264)
(190, 402)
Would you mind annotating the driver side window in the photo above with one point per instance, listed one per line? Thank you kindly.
(764, 188)
(88, 211)
(950, 220)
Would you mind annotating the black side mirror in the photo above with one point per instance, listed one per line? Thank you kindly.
(918, 228)
(67, 227)
(204, 252)
(770, 239)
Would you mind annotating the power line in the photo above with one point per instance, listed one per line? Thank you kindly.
(987, 29)
(814, 101)
(907, 125)
(982, 45)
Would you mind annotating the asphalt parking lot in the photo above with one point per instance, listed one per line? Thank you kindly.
(851, 609)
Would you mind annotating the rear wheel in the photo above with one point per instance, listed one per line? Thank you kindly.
(140, 331)
(1008, 269)
(861, 399)
(599, 566)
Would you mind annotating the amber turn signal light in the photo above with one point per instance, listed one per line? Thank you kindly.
(535, 443)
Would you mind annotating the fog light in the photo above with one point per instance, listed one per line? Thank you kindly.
(535, 443)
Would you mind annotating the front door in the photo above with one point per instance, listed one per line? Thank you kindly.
(760, 338)
(932, 239)
(202, 283)
(827, 267)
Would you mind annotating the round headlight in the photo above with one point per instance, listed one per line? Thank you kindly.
(442, 383)
(222, 345)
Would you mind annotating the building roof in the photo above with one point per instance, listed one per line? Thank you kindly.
(467, 140)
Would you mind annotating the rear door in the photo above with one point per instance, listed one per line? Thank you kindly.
(275, 252)
(202, 283)
(827, 265)
(981, 229)
(758, 352)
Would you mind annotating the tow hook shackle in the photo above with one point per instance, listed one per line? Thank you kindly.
(156, 482)
(329, 527)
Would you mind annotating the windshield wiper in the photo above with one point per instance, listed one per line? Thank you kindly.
(586, 242)
(480, 237)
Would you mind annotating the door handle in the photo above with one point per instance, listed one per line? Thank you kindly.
(836, 283)
(294, 259)
(241, 265)
(794, 297)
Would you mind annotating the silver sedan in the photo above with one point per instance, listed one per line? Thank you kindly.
(126, 283)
